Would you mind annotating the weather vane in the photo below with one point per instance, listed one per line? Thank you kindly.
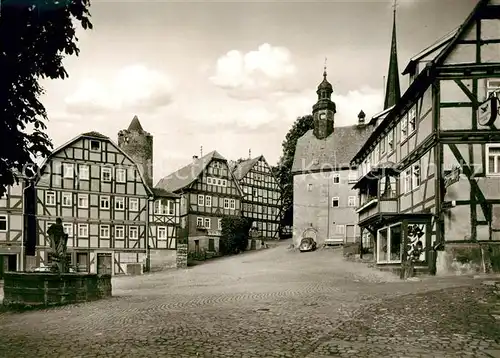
(324, 68)
(395, 4)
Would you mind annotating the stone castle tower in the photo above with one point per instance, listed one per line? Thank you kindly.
(138, 144)
(324, 110)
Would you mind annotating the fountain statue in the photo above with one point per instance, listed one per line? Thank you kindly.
(58, 245)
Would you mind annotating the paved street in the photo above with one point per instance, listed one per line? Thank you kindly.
(272, 303)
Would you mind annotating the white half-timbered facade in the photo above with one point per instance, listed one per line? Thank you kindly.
(208, 192)
(262, 200)
(430, 172)
(12, 228)
(102, 199)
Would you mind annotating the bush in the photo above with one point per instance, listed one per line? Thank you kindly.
(234, 235)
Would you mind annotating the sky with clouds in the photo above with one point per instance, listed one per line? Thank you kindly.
(233, 75)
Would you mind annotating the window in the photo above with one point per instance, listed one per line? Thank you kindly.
(340, 229)
(416, 176)
(104, 231)
(170, 207)
(382, 146)
(335, 202)
(106, 174)
(119, 203)
(121, 175)
(68, 169)
(219, 224)
(68, 229)
(199, 222)
(232, 204)
(119, 232)
(493, 157)
(226, 203)
(83, 230)
(162, 233)
(3, 223)
(95, 145)
(83, 172)
(390, 140)
(133, 232)
(412, 120)
(104, 204)
(404, 129)
(209, 181)
(208, 200)
(224, 182)
(336, 178)
(83, 201)
(492, 86)
(50, 198)
(66, 199)
(207, 223)
(351, 201)
(407, 181)
(376, 154)
(133, 204)
(201, 200)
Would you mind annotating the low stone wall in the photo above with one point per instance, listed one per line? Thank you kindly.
(24, 289)
(182, 255)
(468, 258)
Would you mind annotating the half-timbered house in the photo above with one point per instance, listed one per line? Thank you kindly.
(323, 199)
(262, 200)
(430, 171)
(164, 224)
(102, 199)
(208, 192)
(12, 227)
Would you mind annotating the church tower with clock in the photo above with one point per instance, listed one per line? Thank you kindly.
(324, 110)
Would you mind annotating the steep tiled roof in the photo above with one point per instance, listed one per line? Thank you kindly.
(157, 192)
(95, 135)
(188, 174)
(135, 125)
(336, 151)
(242, 169)
(443, 41)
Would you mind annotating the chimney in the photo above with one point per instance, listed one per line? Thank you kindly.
(361, 118)
(195, 157)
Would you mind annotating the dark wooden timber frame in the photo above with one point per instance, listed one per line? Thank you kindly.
(440, 139)
(255, 198)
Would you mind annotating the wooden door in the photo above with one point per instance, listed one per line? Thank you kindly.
(211, 245)
(104, 264)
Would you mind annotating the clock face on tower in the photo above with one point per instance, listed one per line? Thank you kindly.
(322, 115)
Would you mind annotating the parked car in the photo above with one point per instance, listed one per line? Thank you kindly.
(307, 244)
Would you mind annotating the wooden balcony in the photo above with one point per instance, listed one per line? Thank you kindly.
(375, 206)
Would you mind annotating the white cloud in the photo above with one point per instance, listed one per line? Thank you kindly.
(256, 73)
(348, 106)
(132, 88)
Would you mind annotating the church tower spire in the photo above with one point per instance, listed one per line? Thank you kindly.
(324, 110)
(393, 89)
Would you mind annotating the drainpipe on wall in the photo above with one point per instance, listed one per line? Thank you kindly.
(25, 224)
(148, 251)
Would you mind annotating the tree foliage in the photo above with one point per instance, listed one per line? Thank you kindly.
(235, 234)
(35, 35)
(284, 171)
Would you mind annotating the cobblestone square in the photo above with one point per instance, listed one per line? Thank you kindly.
(272, 303)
